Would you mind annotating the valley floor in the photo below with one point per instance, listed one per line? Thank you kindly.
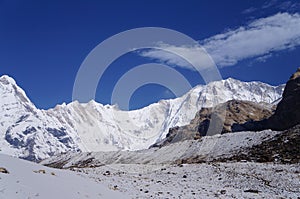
(207, 180)
(224, 169)
(25, 179)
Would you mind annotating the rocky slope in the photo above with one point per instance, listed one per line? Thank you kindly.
(228, 113)
(282, 148)
(34, 134)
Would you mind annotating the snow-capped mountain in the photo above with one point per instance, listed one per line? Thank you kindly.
(27, 131)
(35, 134)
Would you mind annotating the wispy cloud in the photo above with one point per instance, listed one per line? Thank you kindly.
(269, 4)
(258, 39)
(274, 5)
(194, 54)
(290, 6)
(249, 10)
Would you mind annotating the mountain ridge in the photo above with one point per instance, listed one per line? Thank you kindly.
(35, 134)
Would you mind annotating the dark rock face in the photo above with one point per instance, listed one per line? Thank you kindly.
(233, 112)
(287, 113)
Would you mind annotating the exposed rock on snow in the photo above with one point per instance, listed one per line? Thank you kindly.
(3, 170)
(233, 111)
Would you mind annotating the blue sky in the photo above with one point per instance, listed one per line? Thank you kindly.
(43, 43)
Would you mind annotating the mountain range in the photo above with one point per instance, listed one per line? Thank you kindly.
(35, 134)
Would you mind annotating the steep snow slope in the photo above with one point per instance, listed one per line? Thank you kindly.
(29, 180)
(26, 131)
(36, 134)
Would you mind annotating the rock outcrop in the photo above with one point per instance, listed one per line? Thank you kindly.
(232, 112)
(287, 113)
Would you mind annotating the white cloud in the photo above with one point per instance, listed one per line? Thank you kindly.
(179, 56)
(260, 38)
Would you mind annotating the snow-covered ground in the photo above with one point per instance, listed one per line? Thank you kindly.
(27, 180)
(213, 180)
(205, 180)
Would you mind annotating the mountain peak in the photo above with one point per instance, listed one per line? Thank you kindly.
(5, 79)
(231, 79)
(12, 92)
